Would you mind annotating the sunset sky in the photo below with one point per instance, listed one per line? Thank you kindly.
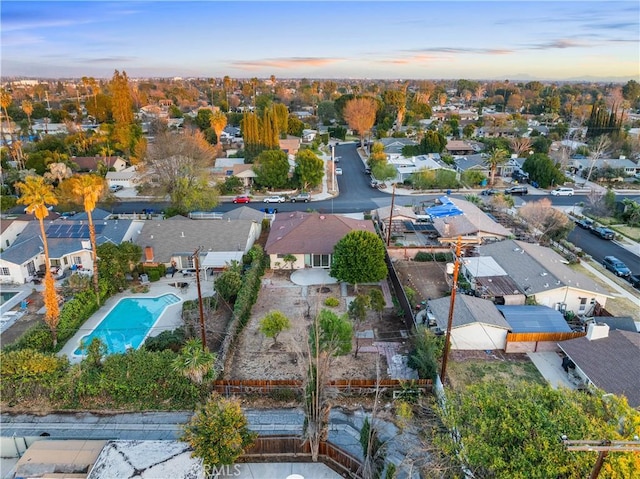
(546, 40)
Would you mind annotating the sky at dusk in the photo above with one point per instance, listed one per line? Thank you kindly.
(545, 40)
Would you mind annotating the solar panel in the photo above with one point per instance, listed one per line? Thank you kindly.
(72, 230)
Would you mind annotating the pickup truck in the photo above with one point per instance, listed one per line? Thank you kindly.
(604, 233)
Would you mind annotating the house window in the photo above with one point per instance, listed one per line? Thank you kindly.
(320, 261)
(77, 260)
(583, 305)
(7, 241)
(66, 261)
(55, 263)
(4, 272)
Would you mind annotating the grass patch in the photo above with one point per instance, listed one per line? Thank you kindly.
(631, 232)
(472, 371)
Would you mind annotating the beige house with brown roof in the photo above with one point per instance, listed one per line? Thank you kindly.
(310, 237)
(91, 163)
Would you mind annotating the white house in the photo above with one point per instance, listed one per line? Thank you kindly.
(127, 178)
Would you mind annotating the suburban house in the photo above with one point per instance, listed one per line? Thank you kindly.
(407, 228)
(473, 162)
(226, 167)
(309, 135)
(290, 145)
(459, 147)
(542, 275)
(489, 281)
(581, 164)
(393, 146)
(310, 237)
(127, 178)
(11, 228)
(173, 241)
(453, 218)
(92, 163)
(607, 359)
(408, 166)
(69, 246)
(477, 323)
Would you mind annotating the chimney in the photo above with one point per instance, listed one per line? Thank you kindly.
(148, 254)
(597, 331)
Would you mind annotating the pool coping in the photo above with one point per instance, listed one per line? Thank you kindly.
(149, 329)
(170, 319)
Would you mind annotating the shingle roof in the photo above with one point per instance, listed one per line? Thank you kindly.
(536, 268)
(244, 213)
(176, 236)
(611, 363)
(467, 310)
(310, 233)
(479, 218)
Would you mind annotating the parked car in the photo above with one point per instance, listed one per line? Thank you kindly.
(616, 266)
(517, 190)
(114, 188)
(634, 279)
(67, 214)
(604, 233)
(367, 170)
(562, 192)
(242, 199)
(338, 171)
(301, 197)
(490, 192)
(585, 223)
(274, 199)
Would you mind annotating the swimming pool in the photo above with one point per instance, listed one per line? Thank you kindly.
(6, 296)
(128, 323)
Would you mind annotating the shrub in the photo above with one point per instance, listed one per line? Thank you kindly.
(332, 302)
(427, 349)
(284, 394)
(154, 275)
(426, 256)
(29, 363)
(172, 340)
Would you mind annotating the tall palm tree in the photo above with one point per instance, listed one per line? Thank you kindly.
(5, 102)
(497, 157)
(89, 188)
(27, 107)
(36, 194)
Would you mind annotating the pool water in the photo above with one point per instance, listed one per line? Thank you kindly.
(6, 296)
(127, 325)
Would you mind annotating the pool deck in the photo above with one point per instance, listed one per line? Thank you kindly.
(169, 320)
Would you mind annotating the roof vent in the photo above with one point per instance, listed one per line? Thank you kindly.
(182, 234)
(544, 273)
(516, 249)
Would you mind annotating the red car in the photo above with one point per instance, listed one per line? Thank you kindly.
(242, 199)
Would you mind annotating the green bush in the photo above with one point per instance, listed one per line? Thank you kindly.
(439, 257)
(154, 275)
(332, 302)
(172, 340)
(29, 363)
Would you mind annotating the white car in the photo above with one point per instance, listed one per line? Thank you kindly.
(338, 171)
(562, 192)
(114, 188)
(274, 199)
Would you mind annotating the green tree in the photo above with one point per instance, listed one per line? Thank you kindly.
(326, 111)
(273, 324)
(115, 262)
(272, 169)
(228, 284)
(295, 126)
(543, 170)
(194, 362)
(514, 430)
(631, 212)
(309, 169)
(631, 92)
(335, 334)
(377, 302)
(290, 259)
(426, 352)
(359, 257)
(357, 312)
(218, 432)
(496, 158)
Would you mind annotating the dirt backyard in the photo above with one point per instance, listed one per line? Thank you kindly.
(257, 357)
(427, 278)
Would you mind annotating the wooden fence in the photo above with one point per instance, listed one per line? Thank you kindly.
(295, 449)
(353, 386)
(538, 337)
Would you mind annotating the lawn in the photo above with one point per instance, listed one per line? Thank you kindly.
(511, 368)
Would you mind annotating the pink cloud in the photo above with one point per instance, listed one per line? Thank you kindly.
(285, 63)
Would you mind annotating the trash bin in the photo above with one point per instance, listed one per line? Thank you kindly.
(448, 192)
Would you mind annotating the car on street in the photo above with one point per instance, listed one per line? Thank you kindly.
(367, 170)
(562, 192)
(338, 171)
(242, 199)
(585, 223)
(616, 266)
(604, 233)
(274, 199)
(301, 197)
(490, 192)
(114, 188)
(517, 190)
(634, 279)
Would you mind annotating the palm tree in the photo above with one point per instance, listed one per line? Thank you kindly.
(497, 157)
(89, 188)
(36, 194)
(5, 102)
(27, 107)
(193, 362)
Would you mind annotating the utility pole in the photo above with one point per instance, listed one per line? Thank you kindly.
(454, 288)
(196, 261)
(393, 197)
(603, 448)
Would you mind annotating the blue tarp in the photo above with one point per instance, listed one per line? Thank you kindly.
(444, 210)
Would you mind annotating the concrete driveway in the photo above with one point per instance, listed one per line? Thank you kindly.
(549, 363)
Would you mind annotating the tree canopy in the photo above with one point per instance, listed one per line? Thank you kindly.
(309, 169)
(359, 258)
(272, 168)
